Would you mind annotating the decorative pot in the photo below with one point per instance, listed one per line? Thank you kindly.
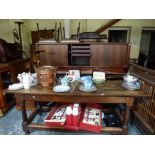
(46, 75)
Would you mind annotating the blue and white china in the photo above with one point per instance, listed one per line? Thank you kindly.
(130, 79)
(64, 80)
(83, 78)
(88, 84)
(131, 82)
(92, 89)
(61, 88)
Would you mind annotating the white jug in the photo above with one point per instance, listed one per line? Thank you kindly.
(26, 80)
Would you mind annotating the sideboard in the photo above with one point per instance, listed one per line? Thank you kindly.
(97, 54)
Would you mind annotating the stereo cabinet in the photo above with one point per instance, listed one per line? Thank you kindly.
(94, 54)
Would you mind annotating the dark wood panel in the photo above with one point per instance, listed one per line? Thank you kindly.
(110, 55)
(30, 105)
(55, 55)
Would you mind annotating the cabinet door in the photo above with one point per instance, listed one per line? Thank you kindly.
(54, 55)
(97, 55)
(109, 55)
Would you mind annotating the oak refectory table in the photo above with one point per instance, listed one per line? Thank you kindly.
(110, 92)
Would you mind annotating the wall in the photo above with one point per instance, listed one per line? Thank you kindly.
(75, 24)
(136, 29)
(6, 30)
(145, 43)
(86, 25)
(31, 25)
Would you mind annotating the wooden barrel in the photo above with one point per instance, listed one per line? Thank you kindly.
(46, 75)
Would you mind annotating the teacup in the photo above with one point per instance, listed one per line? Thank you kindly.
(130, 80)
(88, 84)
(64, 81)
(84, 78)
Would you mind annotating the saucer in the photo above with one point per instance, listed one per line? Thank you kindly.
(61, 89)
(130, 87)
(16, 86)
(92, 89)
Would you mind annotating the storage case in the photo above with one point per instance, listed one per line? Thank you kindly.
(57, 116)
(91, 119)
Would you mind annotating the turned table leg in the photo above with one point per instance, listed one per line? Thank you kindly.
(24, 118)
(126, 120)
(129, 104)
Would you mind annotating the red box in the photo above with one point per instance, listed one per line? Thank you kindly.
(56, 116)
(91, 119)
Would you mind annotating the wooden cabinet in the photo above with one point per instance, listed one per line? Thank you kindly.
(54, 55)
(8, 75)
(4, 105)
(109, 55)
(98, 54)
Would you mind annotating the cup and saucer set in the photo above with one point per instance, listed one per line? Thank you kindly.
(64, 85)
(87, 84)
(88, 81)
(131, 82)
(70, 77)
